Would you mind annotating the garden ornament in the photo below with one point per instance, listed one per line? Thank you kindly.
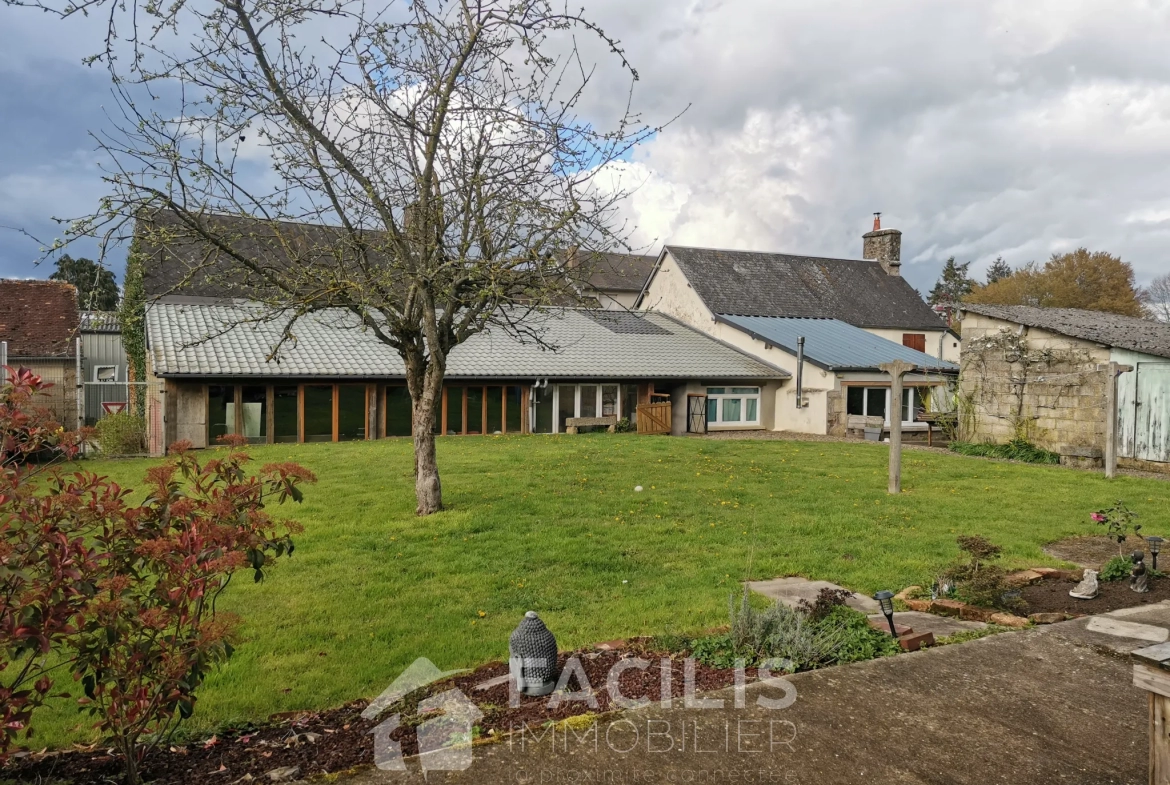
(1140, 579)
(1087, 589)
(532, 657)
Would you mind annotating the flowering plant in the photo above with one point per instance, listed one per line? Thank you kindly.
(1118, 521)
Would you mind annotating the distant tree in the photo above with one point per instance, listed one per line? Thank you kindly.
(96, 288)
(1158, 298)
(998, 270)
(953, 285)
(1093, 281)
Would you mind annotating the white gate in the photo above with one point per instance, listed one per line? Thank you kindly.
(1144, 414)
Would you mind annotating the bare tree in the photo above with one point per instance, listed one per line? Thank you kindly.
(1158, 298)
(422, 166)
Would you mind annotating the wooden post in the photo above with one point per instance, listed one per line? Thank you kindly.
(1151, 672)
(1113, 370)
(896, 369)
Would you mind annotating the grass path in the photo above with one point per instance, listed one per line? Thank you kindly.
(553, 524)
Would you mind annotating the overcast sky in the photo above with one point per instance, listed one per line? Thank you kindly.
(978, 127)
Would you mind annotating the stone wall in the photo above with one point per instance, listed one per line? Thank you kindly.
(1030, 383)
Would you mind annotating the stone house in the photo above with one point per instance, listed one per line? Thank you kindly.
(615, 279)
(39, 321)
(852, 314)
(1042, 374)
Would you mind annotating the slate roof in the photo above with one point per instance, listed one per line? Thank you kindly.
(591, 344)
(100, 322)
(38, 318)
(617, 272)
(1109, 329)
(832, 344)
(855, 291)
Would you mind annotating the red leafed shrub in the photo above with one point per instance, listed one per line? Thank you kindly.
(126, 594)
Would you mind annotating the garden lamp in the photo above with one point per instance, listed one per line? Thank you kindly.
(1155, 546)
(886, 601)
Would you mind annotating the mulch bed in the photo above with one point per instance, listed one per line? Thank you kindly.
(1093, 551)
(339, 739)
(1052, 596)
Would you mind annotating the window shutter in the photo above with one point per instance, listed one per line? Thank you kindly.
(916, 341)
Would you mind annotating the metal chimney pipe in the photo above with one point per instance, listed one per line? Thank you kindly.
(3, 356)
(800, 372)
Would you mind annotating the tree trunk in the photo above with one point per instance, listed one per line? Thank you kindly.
(427, 488)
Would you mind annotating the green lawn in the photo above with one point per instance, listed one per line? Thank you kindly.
(553, 524)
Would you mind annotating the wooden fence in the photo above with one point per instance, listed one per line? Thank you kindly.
(654, 417)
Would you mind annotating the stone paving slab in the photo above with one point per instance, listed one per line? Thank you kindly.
(791, 591)
(941, 626)
(1018, 707)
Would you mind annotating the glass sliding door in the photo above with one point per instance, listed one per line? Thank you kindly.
(285, 414)
(351, 412)
(221, 411)
(514, 411)
(630, 403)
(495, 410)
(454, 410)
(875, 401)
(474, 410)
(588, 400)
(318, 413)
(398, 412)
(254, 414)
(609, 400)
(544, 410)
(566, 405)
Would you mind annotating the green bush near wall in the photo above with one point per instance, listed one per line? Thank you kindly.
(1015, 450)
(122, 434)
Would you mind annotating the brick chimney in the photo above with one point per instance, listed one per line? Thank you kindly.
(883, 245)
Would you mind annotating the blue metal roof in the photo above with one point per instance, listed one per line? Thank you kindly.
(832, 344)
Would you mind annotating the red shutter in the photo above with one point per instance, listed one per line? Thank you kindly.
(915, 341)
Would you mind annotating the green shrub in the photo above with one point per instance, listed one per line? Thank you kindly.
(859, 641)
(121, 434)
(624, 425)
(1015, 450)
(1116, 569)
(978, 583)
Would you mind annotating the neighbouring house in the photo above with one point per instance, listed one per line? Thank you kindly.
(615, 279)
(1042, 374)
(104, 365)
(337, 382)
(39, 321)
(853, 314)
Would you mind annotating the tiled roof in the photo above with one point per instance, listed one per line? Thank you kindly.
(199, 339)
(1109, 329)
(833, 344)
(38, 318)
(855, 291)
(617, 272)
(100, 322)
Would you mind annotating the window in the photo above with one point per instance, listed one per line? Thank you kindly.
(544, 410)
(475, 410)
(105, 373)
(733, 406)
(874, 401)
